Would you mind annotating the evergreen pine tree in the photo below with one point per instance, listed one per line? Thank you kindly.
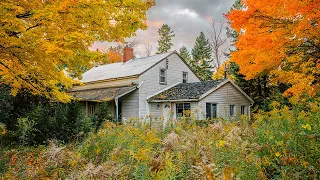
(185, 54)
(201, 54)
(166, 35)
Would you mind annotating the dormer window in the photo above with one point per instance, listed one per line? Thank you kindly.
(163, 76)
(184, 77)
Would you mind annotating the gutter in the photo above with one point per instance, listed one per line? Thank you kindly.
(175, 100)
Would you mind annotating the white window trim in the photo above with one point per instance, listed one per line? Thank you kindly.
(183, 73)
(217, 105)
(182, 107)
(234, 110)
(245, 111)
(165, 76)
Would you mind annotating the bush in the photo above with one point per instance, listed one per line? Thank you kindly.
(63, 122)
(281, 144)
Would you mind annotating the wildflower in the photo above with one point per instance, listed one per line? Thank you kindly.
(97, 151)
(220, 143)
(305, 164)
(277, 154)
(307, 126)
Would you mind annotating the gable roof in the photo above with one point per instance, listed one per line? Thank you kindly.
(133, 67)
(193, 91)
(118, 70)
(187, 91)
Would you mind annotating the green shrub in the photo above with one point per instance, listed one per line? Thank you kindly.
(280, 144)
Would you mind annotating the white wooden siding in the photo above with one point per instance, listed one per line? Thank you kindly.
(224, 97)
(130, 105)
(156, 109)
(151, 80)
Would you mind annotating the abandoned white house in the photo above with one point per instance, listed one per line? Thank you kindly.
(162, 85)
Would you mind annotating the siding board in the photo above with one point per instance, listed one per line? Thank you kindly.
(151, 80)
(224, 97)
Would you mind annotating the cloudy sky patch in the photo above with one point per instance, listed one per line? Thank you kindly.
(186, 17)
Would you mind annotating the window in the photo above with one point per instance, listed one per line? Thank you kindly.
(184, 77)
(231, 110)
(243, 110)
(163, 76)
(211, 110)
(183, 109)
(91, 110)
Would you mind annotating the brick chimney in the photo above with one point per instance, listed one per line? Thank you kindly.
(127, 53)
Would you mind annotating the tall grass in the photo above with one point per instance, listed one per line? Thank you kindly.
(281, 144)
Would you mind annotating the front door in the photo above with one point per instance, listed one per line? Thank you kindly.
(166, 111)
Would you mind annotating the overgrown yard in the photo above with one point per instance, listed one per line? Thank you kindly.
(282, 144)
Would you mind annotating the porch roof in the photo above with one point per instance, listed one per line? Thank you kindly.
(186, 91)
(103, 94)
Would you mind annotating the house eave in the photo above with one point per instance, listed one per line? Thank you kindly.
(174, 100)
(112, 79)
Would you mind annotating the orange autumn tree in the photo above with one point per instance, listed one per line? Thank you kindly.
(281, 39)
(113, 56)
(43, 40)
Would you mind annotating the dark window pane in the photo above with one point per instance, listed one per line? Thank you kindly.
(243, 110)
(231, 110)
(187, 110)
(214, 111)
(184, 77)
(179, 110)
(187, 106)
(208, 110)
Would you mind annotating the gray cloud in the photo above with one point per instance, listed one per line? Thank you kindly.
(186, 17)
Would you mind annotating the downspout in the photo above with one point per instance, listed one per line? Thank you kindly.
(117, 109)
(249, 113)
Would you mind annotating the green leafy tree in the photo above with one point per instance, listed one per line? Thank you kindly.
(166, 35)
(201, 54)
(185, 54)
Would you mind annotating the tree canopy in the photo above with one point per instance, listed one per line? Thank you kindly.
(41, 41)
(165, 41)
(280, 39)
(185, 54)
(201, 54)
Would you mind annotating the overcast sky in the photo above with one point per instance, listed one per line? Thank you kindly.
(186, 17)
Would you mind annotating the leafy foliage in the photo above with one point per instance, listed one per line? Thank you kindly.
(278, 144)
(166, 35)
(201, 54)
(281, 41)
(185, 54)
(42, 40)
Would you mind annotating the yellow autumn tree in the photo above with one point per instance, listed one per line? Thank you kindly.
(220, 72)
(43, 40)
(281, 39)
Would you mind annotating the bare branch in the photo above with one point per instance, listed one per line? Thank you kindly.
(217, 42)
(148, 48)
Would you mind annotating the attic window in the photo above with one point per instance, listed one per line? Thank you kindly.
(163, 76)
(184, 77)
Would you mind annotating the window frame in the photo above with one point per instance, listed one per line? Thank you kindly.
(163, 76)
(91, 110)
(211, 110)
(243, 107)
(232, 113)
(184, 80)
(183, 109)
